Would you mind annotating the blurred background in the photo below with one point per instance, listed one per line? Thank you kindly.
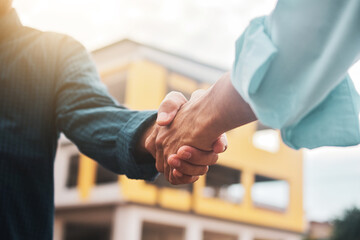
(259, 190)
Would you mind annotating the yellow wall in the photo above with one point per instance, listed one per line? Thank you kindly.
(146, 86)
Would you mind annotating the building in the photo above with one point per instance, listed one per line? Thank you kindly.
(319, 230)
(255, 191)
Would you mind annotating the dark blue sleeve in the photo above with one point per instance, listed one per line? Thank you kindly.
(89, 117)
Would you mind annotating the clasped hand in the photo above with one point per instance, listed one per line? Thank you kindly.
(181, 153)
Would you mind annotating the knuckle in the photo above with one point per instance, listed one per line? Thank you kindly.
(170, 103)
(180, 96)
(149, 144)
(173, 93)
(204, 170)
(176, 95)
(158, 143)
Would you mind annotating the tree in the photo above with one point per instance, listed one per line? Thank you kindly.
(348, 226)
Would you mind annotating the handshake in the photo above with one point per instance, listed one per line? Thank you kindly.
(188, 135)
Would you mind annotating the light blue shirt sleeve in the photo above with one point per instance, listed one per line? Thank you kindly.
(291, 67)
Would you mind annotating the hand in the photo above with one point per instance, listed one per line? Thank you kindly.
(184, 171)
(200, 121)
(188, 162)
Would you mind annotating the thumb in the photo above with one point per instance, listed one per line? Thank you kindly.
(220, 144)
(169, 108)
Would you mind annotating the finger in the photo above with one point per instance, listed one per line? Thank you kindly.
(159, 163)
(169, 107)
(186, 168)
(220, 144)
(167, 169)
(177, 174)
(169, 176)
(150, 143)
(197, 157)
(179, 178)
(159, 160)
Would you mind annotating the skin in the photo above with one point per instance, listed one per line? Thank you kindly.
(199, 123)
(5, 6)
(190, 162)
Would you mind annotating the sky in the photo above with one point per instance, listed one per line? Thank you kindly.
(204, 30)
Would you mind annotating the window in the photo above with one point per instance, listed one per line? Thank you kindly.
(104, 176)
(86, 231)
(218, 236)
(224, 183)
(161, 182)
(266, 138)
(152, 231)
(270, 193)
(73, 171)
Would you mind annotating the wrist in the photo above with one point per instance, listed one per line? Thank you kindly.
(222, 108)
(209, 125)
(144, 154)
(143, 147)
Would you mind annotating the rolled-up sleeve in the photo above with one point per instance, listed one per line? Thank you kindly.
(291, 67)
(89, 117)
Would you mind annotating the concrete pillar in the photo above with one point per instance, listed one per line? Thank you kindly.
(246, 235)
(58, 229)
(193, 231)
(127, 224)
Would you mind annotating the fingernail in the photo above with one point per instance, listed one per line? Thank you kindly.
(162, 116)
(177, 173)
(175, 163)
(186, 155)
(225, 147)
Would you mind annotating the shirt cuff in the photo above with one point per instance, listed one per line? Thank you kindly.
(128, 140)
(335, 122)
(253, 56)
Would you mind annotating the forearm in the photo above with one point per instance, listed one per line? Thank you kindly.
(110, 135)
(144, 153)
(89, 117)
(229, 110)
(219, 109)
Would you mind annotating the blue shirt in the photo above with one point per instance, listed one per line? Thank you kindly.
(48, 85)
(291, 67)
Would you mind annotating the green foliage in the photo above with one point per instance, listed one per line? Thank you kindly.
(348, 226)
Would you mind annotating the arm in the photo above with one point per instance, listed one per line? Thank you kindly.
(290, 72)
(291, 67)
(110, 134)
(90, 118)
